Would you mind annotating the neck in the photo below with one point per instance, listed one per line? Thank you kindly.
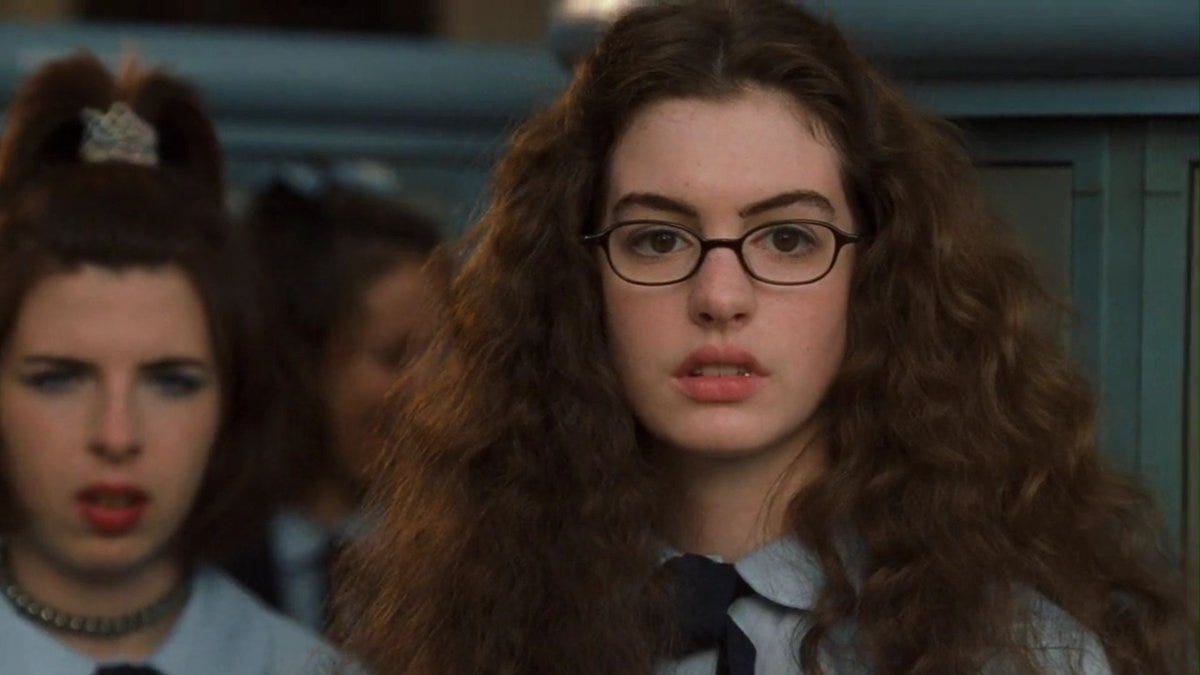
(732, 506)
(79, 592)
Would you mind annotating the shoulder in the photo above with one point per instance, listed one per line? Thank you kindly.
(292, 648)
(26, 648)
(1058, 642)
(225, 621)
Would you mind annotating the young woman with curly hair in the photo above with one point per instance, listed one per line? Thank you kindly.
(138, 399)
(734, 296)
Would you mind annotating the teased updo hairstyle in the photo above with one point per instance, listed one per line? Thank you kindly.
(59, 212)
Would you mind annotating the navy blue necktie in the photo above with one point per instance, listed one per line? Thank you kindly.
(127, 669)
(705, 590)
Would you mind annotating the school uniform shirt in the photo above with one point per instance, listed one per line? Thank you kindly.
(785, 579)
(222, 630)
(288, 569)
(303, 557)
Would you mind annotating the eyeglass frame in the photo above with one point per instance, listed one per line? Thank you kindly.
(840, 237)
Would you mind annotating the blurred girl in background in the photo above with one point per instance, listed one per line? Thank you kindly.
(344, 267)
(137, 399)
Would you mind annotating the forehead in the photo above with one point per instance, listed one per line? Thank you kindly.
(726, 152)
(100, 313)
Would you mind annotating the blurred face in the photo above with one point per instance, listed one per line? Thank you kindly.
(366, 359)
(109, 407)
(721, 365)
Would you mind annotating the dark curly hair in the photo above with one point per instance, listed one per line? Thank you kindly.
(58, 212)
(517, 511)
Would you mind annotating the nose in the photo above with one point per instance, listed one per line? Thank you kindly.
(722, 293)
(117, 436)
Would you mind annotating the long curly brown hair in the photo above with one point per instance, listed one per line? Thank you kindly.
(517, 511)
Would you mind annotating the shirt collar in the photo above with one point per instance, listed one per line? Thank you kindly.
(299, 542)
(28, 648)
(204, 634)
(201, 634)
(783, 571)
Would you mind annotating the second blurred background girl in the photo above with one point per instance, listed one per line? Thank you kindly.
(344, 265)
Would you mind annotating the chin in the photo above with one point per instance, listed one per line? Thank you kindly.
(719, 443)
(118, 556)
(713, 435)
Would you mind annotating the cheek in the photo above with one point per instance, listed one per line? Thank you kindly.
(357, 393)
(204, 421)
(41, 442)
(30, 475)
(629, 314)
(816, 331)
(361, 384)
(821, 325)
(185, 437)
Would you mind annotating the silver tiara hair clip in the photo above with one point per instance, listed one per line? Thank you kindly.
(118, 135)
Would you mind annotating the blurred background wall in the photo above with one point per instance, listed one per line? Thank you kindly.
(1081, 114)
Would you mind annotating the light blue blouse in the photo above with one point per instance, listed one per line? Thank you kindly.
(223, 630)
(786, 579)
(298, 546)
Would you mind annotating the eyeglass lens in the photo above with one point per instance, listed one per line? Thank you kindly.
(785, 252)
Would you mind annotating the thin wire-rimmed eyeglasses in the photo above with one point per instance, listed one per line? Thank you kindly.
(785, 253)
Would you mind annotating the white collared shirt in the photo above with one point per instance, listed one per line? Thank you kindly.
(786, 579)
(223, 630)
(299, 548)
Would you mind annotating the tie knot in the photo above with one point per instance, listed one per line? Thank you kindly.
(126, 669)
(705, 589)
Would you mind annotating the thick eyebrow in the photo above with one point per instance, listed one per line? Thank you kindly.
(654, 201)
(802, 197)
(169, 363)
(662, 203)
(55, 361)
(176, 362)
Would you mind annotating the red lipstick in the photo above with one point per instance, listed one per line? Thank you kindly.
(112, 508)
(719, 374)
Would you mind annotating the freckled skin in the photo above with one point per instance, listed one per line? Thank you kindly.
(718, 156)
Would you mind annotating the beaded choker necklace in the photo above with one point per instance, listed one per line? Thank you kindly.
(104, 627)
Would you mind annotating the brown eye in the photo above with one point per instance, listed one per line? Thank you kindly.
(785, 240)
(663, 242)
(788, 239)
(657, 241)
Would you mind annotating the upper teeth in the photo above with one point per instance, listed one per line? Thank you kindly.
(112, 500)
(720, 371)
